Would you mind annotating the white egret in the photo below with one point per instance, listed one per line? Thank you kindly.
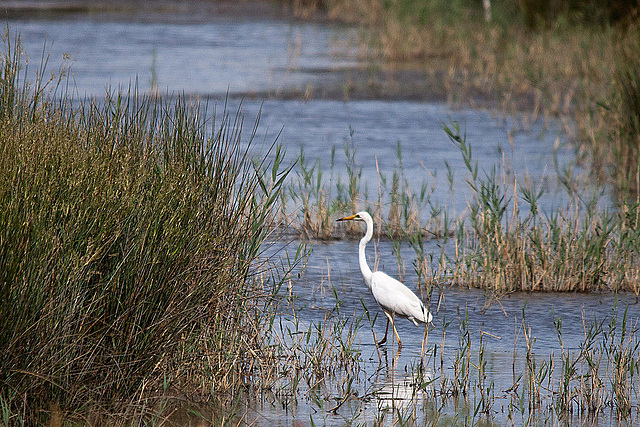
(393, 296)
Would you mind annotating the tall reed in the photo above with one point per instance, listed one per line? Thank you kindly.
(129, 234)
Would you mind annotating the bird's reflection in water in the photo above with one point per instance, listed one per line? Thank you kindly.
(403, 386)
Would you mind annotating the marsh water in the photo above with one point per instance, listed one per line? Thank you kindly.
(257, 56)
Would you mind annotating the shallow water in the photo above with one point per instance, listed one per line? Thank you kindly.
(506, 328)
(223, 50)
(218, 52)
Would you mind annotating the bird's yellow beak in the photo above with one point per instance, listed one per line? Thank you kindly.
(347, 218)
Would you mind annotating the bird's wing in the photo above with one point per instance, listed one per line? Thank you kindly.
(395, 297)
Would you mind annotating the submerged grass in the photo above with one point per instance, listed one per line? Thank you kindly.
(129, 235)
(337, 375)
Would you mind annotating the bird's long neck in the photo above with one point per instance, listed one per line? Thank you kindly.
(364, 267)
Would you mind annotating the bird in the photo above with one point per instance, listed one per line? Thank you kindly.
(393, 296)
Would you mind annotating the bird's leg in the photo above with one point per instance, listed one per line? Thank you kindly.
(384, 340)
(396, 332)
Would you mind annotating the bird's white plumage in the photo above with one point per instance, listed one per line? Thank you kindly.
(393, 296)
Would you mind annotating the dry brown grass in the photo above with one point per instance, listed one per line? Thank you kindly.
(577, 69)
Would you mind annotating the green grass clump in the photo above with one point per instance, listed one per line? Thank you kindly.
(129, 234)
